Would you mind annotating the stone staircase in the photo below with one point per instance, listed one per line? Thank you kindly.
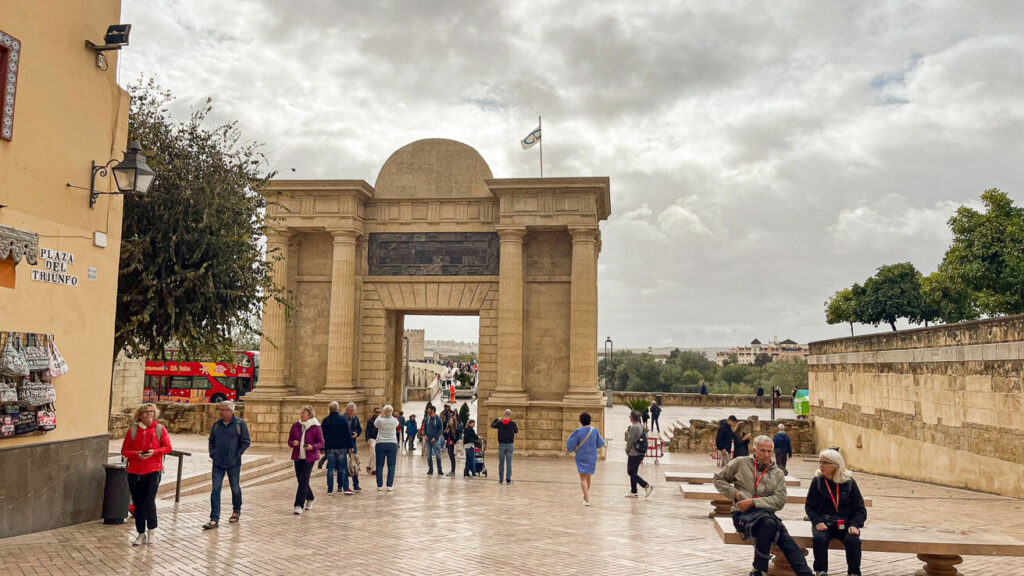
(262, 470)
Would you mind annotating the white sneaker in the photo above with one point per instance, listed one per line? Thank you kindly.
(632, 495)
(150, 535)
(390, 488)
(298, 509)
(649, 489)
(586, 502)
(379, 488)
(140, 540)
(309, 504)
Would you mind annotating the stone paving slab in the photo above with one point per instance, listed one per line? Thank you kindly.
(432, 525)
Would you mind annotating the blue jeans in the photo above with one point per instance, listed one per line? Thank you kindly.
(435, 452)
(470, 462)
(386, 452)
(337, 459)
(236, 490)
(505, 462)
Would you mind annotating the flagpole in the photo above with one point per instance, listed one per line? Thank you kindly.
(541, 128)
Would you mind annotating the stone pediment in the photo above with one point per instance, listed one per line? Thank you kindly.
(18, 244)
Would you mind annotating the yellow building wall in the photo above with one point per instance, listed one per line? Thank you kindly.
(68, 113)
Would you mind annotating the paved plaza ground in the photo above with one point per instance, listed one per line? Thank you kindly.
(537, 526)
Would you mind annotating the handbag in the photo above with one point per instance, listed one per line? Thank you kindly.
(8, 393)
(7, 420)
(353, 465)
(58, 366)
(35, 355)
(47, 418)
(26, 423)
(12, 359)
(582, 442)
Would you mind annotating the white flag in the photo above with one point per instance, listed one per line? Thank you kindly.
(531, 139)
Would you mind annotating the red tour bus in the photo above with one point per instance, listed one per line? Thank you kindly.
(199, 382)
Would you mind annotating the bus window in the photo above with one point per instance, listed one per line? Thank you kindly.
(228, 383)
(200, 383)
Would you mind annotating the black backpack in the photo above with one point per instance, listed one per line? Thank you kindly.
(641, 443)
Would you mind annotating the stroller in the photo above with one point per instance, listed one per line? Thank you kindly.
(479, 447)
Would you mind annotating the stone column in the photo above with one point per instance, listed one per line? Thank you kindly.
(341, 335)
(510, 313)
(273, 345)
(583, 311)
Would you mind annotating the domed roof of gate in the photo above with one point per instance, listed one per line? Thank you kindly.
(433, 168)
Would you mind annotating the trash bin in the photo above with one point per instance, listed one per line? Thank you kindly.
(657, 398)
(115, 494)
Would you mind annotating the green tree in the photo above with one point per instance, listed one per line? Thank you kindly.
(740, 374)
(945, 300)
(464, 414)
(762, 359)
(732, 360)
(987, 253)
(192, 268)
(690, 360)
(841, 308)
(893, 292)
(787, 375)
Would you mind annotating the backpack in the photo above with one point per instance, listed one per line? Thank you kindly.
(135, 428)
(641, 443)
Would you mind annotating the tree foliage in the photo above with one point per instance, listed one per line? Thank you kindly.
(894, 292)
(192, 271)
(987, 254)
(841, 308)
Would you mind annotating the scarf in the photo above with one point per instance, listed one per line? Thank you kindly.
(302, 441)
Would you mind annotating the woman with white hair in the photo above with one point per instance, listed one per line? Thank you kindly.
(836, 509)
(387, 445)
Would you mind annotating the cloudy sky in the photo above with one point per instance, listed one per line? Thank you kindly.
(762, 154)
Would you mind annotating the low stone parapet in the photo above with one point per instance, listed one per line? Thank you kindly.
(700, 436)
(178, 418)
(726, 400)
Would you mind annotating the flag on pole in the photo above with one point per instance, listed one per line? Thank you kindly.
(531, 139)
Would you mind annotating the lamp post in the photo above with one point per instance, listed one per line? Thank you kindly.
(609, 360)
(131, 175)
(405, 386)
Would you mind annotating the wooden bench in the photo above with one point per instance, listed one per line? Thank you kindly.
(708, 478)
(722, 505)
(941, 549)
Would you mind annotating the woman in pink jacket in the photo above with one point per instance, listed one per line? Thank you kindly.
(306, 440)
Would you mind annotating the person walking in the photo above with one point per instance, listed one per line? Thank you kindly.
(371, 440)
(401, 429)
(433, 428)
(836, 509)
(386, 446)
(757, 488)
(469, 440)
(646, 415)
(144, 447)
(703, 390)
(410, 433)
(337, 445)
(507, 431)
(306, 439)
(741, 439)
(655, 414)
(355, 429)
(636, 449)
(229, 439)
(783, 448)
(452, 435)
(723, 441)
(584, 443)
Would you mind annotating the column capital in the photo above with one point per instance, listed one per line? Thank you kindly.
(585, 233)
(344, 235)
(278, 235)
(511, 234)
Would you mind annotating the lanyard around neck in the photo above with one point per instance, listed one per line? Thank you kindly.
(835, 500)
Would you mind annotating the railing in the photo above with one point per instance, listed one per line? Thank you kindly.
(177, 483)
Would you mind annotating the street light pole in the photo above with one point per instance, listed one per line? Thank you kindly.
(609, 359)
(405, 387)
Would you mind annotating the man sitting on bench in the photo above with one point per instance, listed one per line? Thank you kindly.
(757, 488)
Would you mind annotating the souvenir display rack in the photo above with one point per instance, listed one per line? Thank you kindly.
(28, 365)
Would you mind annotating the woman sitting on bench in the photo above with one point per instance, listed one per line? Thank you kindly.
(836, 509)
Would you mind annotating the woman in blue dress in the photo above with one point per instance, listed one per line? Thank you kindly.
(584, 442)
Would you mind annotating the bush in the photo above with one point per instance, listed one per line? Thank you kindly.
(638, 404)
(464, 414)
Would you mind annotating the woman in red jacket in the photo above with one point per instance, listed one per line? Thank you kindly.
(144, 447)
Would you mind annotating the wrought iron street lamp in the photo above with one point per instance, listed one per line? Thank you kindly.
(131, 175)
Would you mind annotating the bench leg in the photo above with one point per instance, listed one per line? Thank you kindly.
(938, 564)
(780, 565)
(722, 508)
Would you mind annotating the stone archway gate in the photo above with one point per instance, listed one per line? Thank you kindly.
(437, 234)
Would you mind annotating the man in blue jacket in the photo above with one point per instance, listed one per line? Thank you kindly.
(432, 429)
(229, 439)
(783, 448)
(354, 429)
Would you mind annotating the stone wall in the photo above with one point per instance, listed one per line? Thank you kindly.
(943, 404)
(126, 386)
(729, 400)
(700, 436)
(179, 418)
